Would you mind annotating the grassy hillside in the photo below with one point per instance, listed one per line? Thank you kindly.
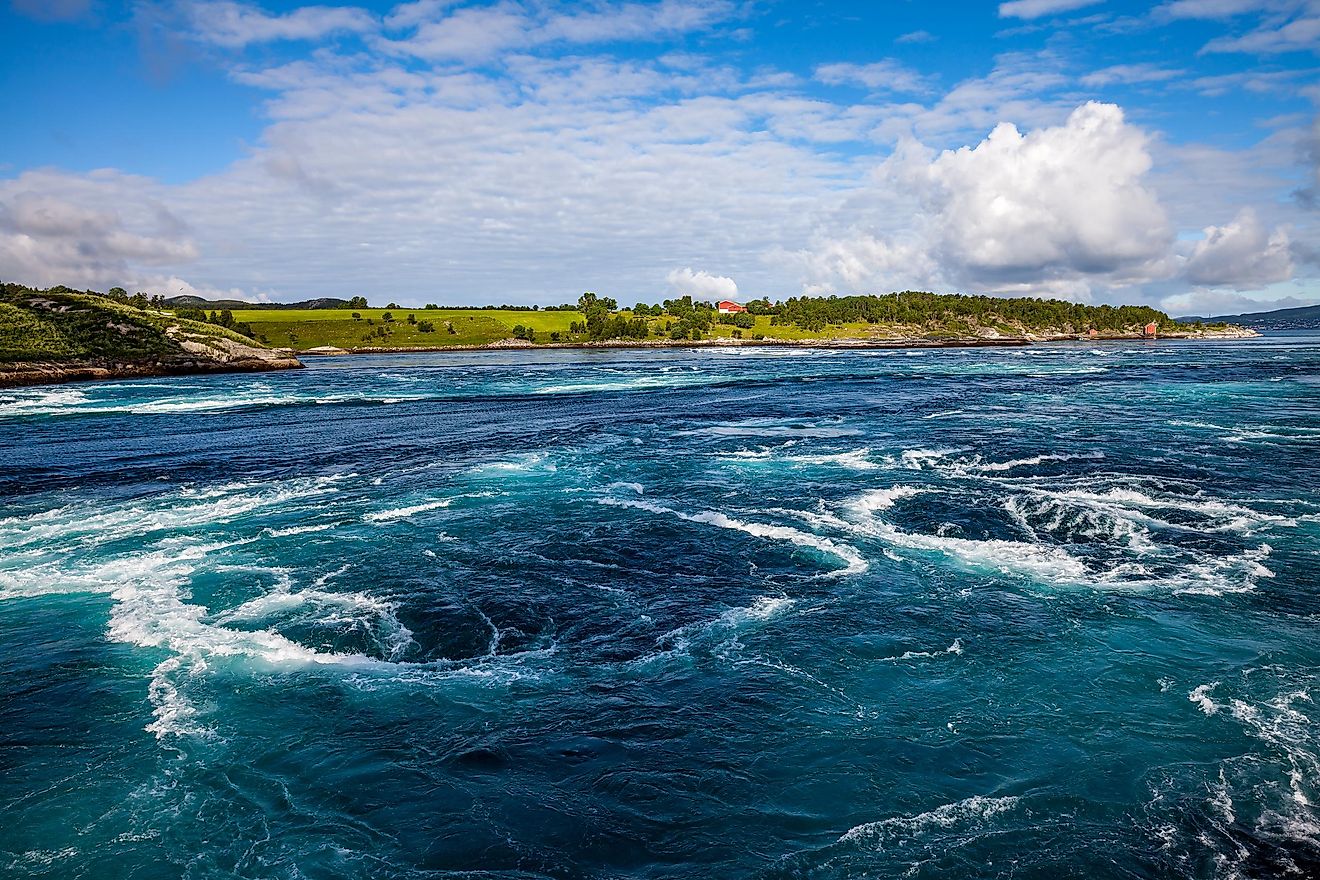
(58, 328)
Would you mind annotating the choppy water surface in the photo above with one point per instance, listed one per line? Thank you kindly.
(1034, 612)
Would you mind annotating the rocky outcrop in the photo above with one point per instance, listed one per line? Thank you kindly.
(199, 354)
(64, 335)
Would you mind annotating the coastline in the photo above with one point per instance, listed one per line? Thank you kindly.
(725, 342)
(17, 375)
(21, 375)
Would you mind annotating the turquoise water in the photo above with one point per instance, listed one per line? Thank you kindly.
(1043, 612)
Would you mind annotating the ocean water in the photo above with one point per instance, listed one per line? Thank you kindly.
(1037, 612)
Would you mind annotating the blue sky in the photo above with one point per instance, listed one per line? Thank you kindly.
(523, 151)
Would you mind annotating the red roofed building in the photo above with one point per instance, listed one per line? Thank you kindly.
(1151, 328)
(729, 307)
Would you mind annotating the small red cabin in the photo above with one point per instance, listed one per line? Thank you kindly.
(729, 307)
(1151, 328)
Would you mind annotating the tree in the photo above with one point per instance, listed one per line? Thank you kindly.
(388, 317)
(431, 307)
(357, 302)
(412, 319)
(392, 306)
(357, 316)
(117, 293)
(425, 327)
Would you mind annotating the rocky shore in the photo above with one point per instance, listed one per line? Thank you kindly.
(199, 354)
(988, 341)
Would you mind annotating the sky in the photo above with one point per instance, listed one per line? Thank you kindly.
(523, 151)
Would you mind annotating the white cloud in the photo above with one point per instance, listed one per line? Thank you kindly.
(862, 262)
(545, 174)
(1029, 9)
(1068, 198)
(407, 15)
(1129, 74)
(474, 33)
(50, 239)
(235, 25)
(1212, 9)
(1242, 254)
(636, 21)
(469, 33)
(701, 284)
(887, 75)
(1299, 35)
(1042, 211)
(916, 37)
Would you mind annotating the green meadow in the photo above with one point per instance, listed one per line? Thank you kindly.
(302, 329)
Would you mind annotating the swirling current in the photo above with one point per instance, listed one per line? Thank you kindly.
(755, 613)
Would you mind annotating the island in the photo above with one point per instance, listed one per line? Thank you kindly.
(61, 334)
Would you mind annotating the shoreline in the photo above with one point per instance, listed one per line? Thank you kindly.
(26, 375)
(724, 342)
(19, 375)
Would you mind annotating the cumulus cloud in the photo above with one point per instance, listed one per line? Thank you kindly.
(1242, 254)
(1068, 198)
(701, 284)
(1029, 9)
(1041, 211)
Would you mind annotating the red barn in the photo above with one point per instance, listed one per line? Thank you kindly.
(1151, 328)
(729, 307)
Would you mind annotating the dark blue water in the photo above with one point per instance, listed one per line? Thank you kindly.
(1044, 612)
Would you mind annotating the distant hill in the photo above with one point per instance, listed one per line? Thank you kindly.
(196, 302)
(1303, 318)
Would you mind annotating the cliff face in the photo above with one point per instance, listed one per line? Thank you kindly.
(62, 336)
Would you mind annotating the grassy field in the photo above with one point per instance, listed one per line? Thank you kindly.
(302, 329)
